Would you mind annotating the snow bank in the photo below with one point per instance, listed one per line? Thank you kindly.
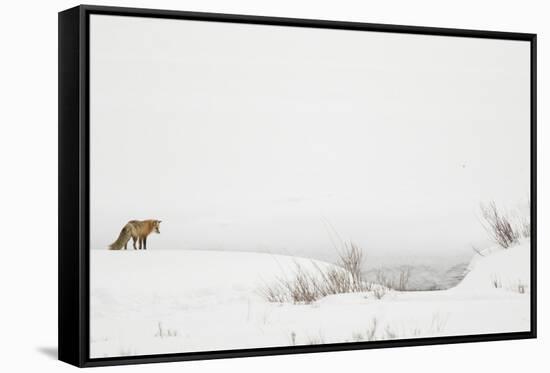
(499, 269)
(137, 295)
(151, 302)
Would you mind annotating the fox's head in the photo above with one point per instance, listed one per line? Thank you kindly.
(156, 225)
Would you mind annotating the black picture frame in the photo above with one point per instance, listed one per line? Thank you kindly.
(74, 193)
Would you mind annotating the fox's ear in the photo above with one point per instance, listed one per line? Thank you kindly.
(159, 221)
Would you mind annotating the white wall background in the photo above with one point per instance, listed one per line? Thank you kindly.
(28, 188)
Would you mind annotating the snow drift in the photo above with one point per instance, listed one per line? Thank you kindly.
(149, 302)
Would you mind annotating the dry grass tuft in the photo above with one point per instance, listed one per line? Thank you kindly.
(504, 229)
(307, 286)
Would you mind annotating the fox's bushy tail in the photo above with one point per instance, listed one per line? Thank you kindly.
(122, 239)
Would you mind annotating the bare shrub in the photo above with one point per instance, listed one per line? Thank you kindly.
(518, 287)
(293, 338)
(376, 332)
(350, 257)
(525, 223)
(416, 332)
(497, 283)
(370, 334)
(316, 340)
(382, 279)
(379, 291)
(307, 286)
(526, 229)
(274, 293)
(389, 333)
(331, 281)
(399, 282)
(162, 333)
(303, 288)
(404, 275)
(499, 225)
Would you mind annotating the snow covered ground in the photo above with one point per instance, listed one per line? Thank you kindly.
(150, 302)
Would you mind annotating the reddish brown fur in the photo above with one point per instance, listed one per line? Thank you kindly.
(138, 231)
(143, 229)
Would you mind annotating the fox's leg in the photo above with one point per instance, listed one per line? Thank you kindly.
(125, 245)
(134, 239)
(144, 243)
(139, 242)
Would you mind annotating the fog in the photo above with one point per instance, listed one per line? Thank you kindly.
(264, 138)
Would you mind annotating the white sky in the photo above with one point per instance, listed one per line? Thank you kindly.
(246, 137)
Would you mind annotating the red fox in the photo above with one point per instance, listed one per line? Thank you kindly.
(137, 231)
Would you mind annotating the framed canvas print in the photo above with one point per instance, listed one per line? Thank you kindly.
(239, 185)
